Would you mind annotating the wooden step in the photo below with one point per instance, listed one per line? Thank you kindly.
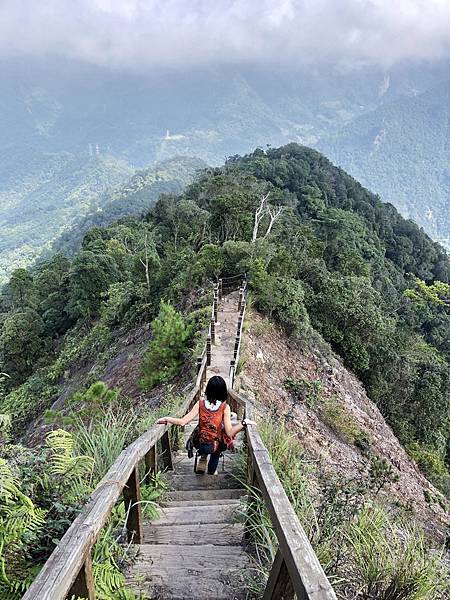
(219, 534)
(203, 482)
(209, 513)
(211, 496)
(189, 571)
(186, 467)
(226, 501)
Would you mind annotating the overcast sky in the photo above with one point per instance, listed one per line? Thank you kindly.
(183, 33)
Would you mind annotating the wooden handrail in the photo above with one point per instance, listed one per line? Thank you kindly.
(296, 568)
(237, 345)
(55, 580)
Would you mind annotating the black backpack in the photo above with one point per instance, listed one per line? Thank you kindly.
(193, 442)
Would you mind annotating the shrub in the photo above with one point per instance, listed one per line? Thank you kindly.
(163, 358)
(433, 466)
(303, 390)
(340, 421)
(392, 562)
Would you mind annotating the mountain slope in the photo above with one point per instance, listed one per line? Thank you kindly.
(212, 113)
(43, 195)
(327, 261)
(340, 429)
(401, 150)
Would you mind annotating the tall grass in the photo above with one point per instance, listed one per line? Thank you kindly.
(103, 439)
(366, 554)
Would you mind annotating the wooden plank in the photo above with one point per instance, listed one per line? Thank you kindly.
(183, 515)
(190, 556)
(223, 502)
(190, 587)
(279, 585)
(209, 495)
(151, 464)
(203, 482)
(218, 534)
(133, 508)
(84, 586)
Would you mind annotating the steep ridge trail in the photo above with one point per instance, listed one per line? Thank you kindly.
(195, 548)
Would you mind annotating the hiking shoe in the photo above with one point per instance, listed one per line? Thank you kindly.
(201, 464)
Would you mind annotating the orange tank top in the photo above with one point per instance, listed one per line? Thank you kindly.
(210, 423)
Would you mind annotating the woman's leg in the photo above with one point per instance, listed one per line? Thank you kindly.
(213, 462)
(203, 450)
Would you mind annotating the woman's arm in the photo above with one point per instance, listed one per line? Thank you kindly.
(229, 429)
(183, 421)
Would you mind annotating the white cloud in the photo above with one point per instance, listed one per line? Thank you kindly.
(147, 33)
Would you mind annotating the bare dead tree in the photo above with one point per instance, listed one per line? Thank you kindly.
(144, 263)
(259, 215)
(274, 212)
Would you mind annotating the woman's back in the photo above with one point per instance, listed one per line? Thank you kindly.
(211, 421)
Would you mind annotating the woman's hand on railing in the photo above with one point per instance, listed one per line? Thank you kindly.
(165, 421)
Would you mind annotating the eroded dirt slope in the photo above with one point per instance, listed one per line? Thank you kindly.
(271, 360)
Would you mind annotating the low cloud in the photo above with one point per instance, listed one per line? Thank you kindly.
(184, 33)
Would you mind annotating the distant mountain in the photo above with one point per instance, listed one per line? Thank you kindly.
(146, 117)
(41, 194)
(134, 197)
(401, 150)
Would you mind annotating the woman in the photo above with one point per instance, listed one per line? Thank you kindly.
(214, 418)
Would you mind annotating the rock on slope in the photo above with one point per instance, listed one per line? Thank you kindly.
(270, 359)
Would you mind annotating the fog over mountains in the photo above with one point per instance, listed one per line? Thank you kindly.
(387, 128)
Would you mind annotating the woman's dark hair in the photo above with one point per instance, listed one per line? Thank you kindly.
(216, 389)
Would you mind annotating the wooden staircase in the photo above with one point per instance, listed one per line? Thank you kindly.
(195, 549)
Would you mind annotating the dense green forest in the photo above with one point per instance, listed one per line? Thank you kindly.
(327, 258)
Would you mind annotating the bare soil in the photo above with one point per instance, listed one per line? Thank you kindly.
(270, 358)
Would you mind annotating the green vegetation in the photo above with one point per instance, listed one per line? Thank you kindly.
(340, 421)
(303, 390)
(42, 491)
(326, 257)
(365, 552)
(163, 358)
(52, 204)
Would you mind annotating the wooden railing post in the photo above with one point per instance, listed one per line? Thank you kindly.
(208, 351)
(236, 346)
(239, 325)
(151, 464)
(83, 586)
(166, 454)
(133, 510)
(213, 331)
(240, 300)
(252, 482)
(232, 371)
(199, 364)
(220, 288)
(215, 307)
(279, 585)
